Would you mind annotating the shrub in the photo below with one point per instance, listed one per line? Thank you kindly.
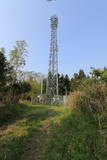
(93, 99)
(72, 99)
(92, 102)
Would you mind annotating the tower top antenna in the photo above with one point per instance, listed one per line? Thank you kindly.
(54, 22)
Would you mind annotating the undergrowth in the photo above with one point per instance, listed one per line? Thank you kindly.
(10, 113)
(19, 124)
(82, 134)
(76, 138)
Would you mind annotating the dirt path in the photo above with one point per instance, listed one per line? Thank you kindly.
(37, 144)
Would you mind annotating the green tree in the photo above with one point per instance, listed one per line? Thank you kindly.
(35, 90)
(96, 73)
(20, 90)
(104, 76)
(77, 80)
(64, 84)
(67, 84)
(17, 58)
(44, 85)
(61, 84)
(2, 50)
(5, 70)
(81, 74)
(5, 78)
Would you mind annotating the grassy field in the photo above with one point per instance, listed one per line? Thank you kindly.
(31, 132)
(23, 130)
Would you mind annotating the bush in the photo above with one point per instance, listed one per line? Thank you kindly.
(72, 99)
(10, 113)
(92, 98)
(92, 102)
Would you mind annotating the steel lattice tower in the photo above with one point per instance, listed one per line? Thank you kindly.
(52, 83)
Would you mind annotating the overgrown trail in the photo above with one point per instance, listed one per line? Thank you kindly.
(35, 149)
(30, 132)
(26, 137)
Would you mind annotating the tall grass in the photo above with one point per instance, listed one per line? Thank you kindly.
(9, 113)
(82, 134)
(92, 102)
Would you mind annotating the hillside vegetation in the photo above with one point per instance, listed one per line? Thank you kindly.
(24, 128)
(51, 133)
(82, 134)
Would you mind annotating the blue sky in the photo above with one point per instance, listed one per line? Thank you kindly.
(82, 32)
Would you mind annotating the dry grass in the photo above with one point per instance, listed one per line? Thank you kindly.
(72, 99)
(91, 99)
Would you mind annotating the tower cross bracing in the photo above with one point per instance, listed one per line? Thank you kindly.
(52, 86)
